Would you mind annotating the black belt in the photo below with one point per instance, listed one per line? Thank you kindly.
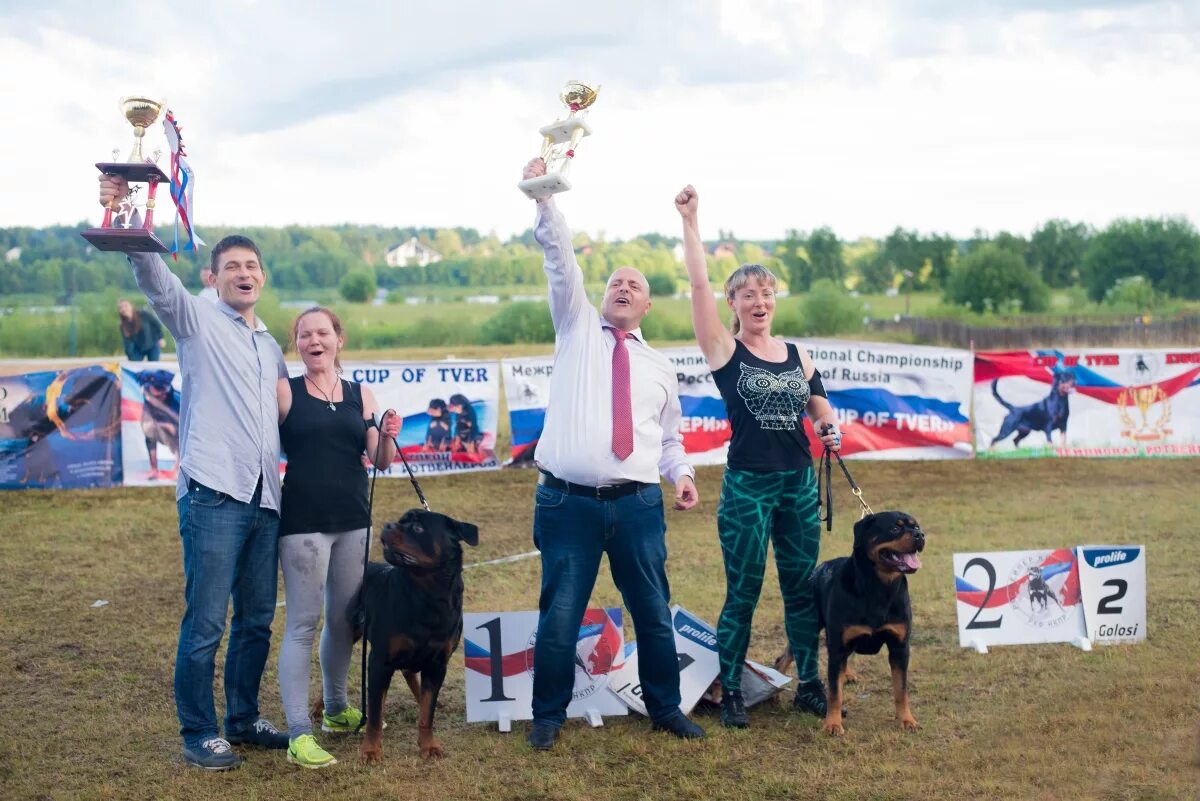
(609, 493)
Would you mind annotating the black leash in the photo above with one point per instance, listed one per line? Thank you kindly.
(826, 468)
(377, 423)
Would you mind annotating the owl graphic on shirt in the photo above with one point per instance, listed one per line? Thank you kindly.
(775, 400)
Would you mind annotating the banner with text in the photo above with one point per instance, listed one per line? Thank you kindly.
(896, 401)
(450, 411)
(1087, 402)
(61, 428)
(704, 425)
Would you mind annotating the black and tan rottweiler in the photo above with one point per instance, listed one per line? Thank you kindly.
(862, 603)
(411, 610)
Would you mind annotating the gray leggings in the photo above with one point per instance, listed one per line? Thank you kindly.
(316, 565)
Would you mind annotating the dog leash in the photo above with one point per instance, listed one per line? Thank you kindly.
(376, 422)
(826, 468)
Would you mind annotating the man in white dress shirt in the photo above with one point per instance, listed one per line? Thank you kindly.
(612, 426)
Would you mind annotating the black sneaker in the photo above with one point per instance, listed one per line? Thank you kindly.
(212, 754)
(260, 733)
(680, 726)
(733, 710)
(810, 698)
(542, 736)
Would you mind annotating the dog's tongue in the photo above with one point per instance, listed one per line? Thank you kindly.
(910, 560)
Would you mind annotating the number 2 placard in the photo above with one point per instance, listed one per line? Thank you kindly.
(1113, 581)
(1018, 597)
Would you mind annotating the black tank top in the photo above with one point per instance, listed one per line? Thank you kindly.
(325, 487)
(766, 401)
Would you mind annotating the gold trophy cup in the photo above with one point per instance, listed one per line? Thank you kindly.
(559, 140)
(117, 232)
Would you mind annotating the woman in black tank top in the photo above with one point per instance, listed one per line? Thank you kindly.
(769, 491)
(323, 523)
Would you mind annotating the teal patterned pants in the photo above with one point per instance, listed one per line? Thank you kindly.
(757, 507)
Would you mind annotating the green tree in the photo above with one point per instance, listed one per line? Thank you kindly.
(825, 255)
(795, 260)
(993, 278)
(827, 309)
(1165, 250)
(358, 286)
(1056, 251)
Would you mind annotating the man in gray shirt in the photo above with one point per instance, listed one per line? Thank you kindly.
(227, 493)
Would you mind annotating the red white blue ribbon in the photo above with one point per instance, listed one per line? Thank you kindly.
(182, 184)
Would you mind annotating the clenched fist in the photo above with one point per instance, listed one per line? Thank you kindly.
(687, 202)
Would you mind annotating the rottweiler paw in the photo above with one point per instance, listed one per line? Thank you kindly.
(909, 724)
(370, 756)
(432, 751)
(833, 728)
(850, 676)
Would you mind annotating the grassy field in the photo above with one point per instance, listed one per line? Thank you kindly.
(87, 692)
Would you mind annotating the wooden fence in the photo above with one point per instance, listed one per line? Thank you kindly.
(1079, 333)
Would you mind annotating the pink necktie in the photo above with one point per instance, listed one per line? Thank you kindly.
(622, 405)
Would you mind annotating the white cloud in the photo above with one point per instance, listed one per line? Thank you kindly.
(862, 116)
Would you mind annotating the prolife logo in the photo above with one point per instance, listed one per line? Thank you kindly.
(1110, 557)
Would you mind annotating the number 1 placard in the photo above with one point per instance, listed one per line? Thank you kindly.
(498, 651)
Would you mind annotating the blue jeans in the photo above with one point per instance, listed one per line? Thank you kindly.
(229, 549)
(572, 533)
(135, 355)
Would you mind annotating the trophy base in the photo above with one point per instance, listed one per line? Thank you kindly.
(544, 186)
(133, 172)
(124, 240)
(563, 130)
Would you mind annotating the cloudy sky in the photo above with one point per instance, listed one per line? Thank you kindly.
(941, 115)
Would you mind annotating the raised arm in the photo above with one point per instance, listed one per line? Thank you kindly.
(173, 304)
(568, 298)
(715, 340)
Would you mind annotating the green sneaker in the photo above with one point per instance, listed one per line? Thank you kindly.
(343, 722)
(305, 752)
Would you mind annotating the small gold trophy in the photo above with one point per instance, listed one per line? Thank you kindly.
(117, 231)
(560, 138)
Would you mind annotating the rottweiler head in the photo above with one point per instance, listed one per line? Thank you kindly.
(1065, 382)
(891, 542)
(426, 541)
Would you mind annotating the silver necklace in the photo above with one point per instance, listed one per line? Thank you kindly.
(328, 400)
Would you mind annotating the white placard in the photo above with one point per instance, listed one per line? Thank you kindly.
(1018, 597)
(498, 651)
(696, 646)
(1112, 581)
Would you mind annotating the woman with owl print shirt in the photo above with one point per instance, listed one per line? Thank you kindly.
(769, 491)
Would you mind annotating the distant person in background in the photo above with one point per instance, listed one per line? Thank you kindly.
(141, 333)
(208, 284)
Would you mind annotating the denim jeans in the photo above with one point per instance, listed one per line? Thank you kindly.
(135, 355)
(229, 549)
(572, 532)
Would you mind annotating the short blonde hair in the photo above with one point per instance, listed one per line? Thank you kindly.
(739, 278)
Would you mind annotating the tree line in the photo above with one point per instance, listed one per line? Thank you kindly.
(1144, 257)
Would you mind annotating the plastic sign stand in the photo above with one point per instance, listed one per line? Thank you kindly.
(696, 646)
(1112, 579)
(498, 651)
(1018, 598)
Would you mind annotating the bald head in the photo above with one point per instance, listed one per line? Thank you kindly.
(626, 298)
